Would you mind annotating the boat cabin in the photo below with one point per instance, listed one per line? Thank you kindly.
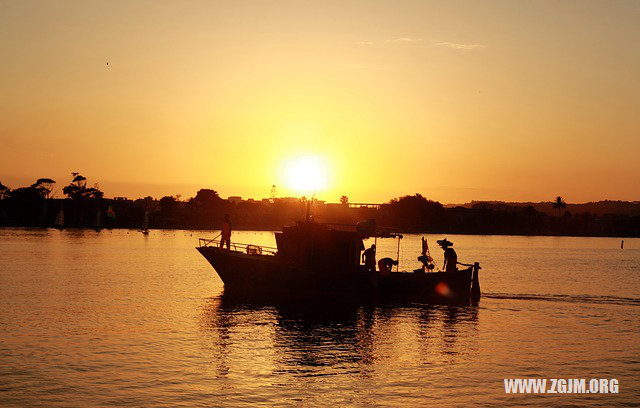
(326, 247)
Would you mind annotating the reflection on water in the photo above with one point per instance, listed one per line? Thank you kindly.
(302, 345)
(310, 339)
(119, 318)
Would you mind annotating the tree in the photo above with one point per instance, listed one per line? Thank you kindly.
(530, 210)
(44, 186)
(344, 200)
(24, 204)
(206, 197)
(26, 195)
(413, 212)
(78, 189)
(4, 191)
(205, 208)
(559, 205)
(168, 205)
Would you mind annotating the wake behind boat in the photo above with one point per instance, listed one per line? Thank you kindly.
(323, 259)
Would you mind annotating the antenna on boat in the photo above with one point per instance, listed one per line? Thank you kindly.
(309, 204)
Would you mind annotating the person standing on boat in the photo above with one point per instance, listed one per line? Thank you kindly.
(369, 258)
(450, 256)
(226, 232)
(425, 257)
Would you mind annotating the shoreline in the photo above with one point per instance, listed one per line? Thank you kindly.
(244, 229)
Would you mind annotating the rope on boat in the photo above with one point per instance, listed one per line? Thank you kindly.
(464, 264)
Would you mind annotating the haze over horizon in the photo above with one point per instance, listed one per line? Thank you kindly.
(464, 101)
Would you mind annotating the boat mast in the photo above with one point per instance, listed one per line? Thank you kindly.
(398, 254)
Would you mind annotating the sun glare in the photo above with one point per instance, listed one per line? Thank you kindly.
(306, 174)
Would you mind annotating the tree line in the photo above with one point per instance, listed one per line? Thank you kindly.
(86, 207)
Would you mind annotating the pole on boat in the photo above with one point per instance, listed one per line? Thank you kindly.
(475, 283)
(398, 255)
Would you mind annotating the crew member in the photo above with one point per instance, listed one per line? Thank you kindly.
(226, 232)
(369, 258)
(450, 256)
(425, 257)
(385, 264)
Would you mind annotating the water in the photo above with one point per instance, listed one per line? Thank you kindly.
(118, 318)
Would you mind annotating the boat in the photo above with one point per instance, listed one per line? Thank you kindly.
(145, 227)
(324, 260)
(59, 224)
(98, 224)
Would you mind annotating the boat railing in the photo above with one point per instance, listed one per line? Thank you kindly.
(250, 249)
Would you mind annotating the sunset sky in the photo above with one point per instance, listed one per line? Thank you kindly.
(506, 100)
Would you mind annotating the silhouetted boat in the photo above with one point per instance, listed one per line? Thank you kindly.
(321, 259)
(145, 227)
(59, 224)
(98, 223)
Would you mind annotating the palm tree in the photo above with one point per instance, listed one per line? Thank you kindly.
(559, 205)
(344, 200)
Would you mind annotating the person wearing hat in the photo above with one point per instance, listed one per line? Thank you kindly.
(450, 256)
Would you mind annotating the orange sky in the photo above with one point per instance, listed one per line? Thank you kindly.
(457, 101)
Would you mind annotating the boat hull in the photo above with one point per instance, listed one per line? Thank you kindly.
(271, 276)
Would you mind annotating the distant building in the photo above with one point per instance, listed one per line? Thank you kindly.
(334, 205)
(235, 199)
(365, 205)
(120, 199)
(291, 200)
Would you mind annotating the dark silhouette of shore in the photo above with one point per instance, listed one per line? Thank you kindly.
(85, 207)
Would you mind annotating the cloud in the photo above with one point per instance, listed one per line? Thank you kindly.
(393, 40)
(405, 39)
(455, 46)
(458, 46)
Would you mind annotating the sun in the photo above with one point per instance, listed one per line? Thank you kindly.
(306, 174)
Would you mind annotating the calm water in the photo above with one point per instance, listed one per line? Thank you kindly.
(117, 318)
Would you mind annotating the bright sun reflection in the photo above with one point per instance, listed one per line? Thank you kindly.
(306, 174)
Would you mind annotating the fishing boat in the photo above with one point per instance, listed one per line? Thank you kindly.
(321, 259)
